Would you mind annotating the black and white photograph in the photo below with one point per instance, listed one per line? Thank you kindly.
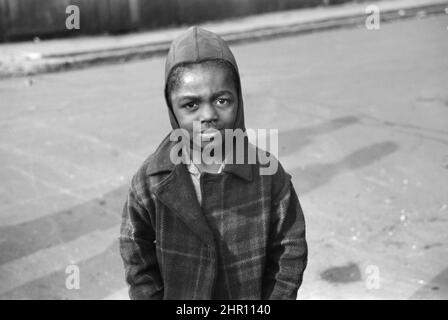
(224, 150)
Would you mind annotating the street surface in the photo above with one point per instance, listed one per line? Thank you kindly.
(363, 122)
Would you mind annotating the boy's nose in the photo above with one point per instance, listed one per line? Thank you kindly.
(208, 113)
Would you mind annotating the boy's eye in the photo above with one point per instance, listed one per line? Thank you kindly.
(222, 101)
(191, 106)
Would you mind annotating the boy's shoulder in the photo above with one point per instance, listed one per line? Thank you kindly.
(267, 161)
(267, 165)
(157, 162)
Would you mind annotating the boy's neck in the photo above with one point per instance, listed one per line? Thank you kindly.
(204, 167)
(210, 168)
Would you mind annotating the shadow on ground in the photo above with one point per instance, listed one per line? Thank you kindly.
(436, 289)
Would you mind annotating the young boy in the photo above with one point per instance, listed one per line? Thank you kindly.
(201, 230)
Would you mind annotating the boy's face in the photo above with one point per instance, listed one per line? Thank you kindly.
(206, 93)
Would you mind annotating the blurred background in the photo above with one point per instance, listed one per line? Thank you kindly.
(357, 90)
(23, 19)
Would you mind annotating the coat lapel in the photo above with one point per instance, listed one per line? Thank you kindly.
(177, 193)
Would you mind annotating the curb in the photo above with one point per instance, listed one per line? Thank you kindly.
(77, 60)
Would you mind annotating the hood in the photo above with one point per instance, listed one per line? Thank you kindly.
(195, 45)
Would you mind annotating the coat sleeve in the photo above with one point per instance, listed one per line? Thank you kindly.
(287, 252)
(137, 249)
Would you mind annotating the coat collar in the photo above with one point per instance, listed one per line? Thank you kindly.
(161, 162)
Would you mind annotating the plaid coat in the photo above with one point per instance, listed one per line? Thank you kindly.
(246, 241)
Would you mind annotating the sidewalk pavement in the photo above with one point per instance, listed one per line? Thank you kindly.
(39, 56)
